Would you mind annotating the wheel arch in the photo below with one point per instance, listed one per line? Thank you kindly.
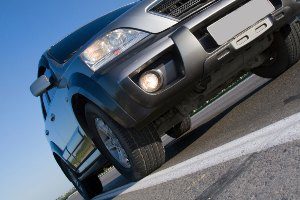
(57, 158)
(58, 155)
(78, 102)
(82, 89)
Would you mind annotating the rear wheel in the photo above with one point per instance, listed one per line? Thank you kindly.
(87, 188)
(179, 129)
(284, 52)
(134, 153)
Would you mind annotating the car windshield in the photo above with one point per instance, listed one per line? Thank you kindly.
(63, 50)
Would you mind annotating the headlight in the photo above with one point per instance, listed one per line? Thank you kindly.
(106, 48)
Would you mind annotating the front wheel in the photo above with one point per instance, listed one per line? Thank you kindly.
(134, 153)
(87, 188)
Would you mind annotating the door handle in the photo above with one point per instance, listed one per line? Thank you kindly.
(52, 118)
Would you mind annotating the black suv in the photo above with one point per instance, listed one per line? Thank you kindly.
(111, 89)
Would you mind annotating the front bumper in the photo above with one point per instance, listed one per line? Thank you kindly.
(181, 52)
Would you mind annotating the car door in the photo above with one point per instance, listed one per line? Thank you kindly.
(63, 129)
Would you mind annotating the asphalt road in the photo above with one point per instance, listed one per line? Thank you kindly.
(251, 151)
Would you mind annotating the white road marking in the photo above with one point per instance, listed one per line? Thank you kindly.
(281, 132)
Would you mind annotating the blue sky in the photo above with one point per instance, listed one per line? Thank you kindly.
(27, 29)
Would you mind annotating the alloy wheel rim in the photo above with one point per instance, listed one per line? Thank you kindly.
(112, 143)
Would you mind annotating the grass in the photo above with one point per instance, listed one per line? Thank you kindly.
(67, 195)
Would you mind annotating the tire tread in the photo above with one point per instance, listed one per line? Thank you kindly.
(143, 147)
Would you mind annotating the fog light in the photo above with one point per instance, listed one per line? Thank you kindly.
(151, 81)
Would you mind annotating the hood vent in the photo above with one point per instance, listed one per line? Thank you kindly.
(179, 9)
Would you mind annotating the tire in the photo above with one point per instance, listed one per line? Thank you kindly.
(179, 129)
(135, 154)
(87, 188)
(285, 51)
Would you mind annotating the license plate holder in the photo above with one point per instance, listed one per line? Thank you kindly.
(237, 21)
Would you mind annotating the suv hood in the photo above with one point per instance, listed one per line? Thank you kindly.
(139, 18)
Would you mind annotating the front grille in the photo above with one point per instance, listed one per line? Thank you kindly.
(180, 9)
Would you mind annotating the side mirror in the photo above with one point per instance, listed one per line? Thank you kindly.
(40, 85)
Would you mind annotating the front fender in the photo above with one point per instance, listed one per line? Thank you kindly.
(85, 86)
